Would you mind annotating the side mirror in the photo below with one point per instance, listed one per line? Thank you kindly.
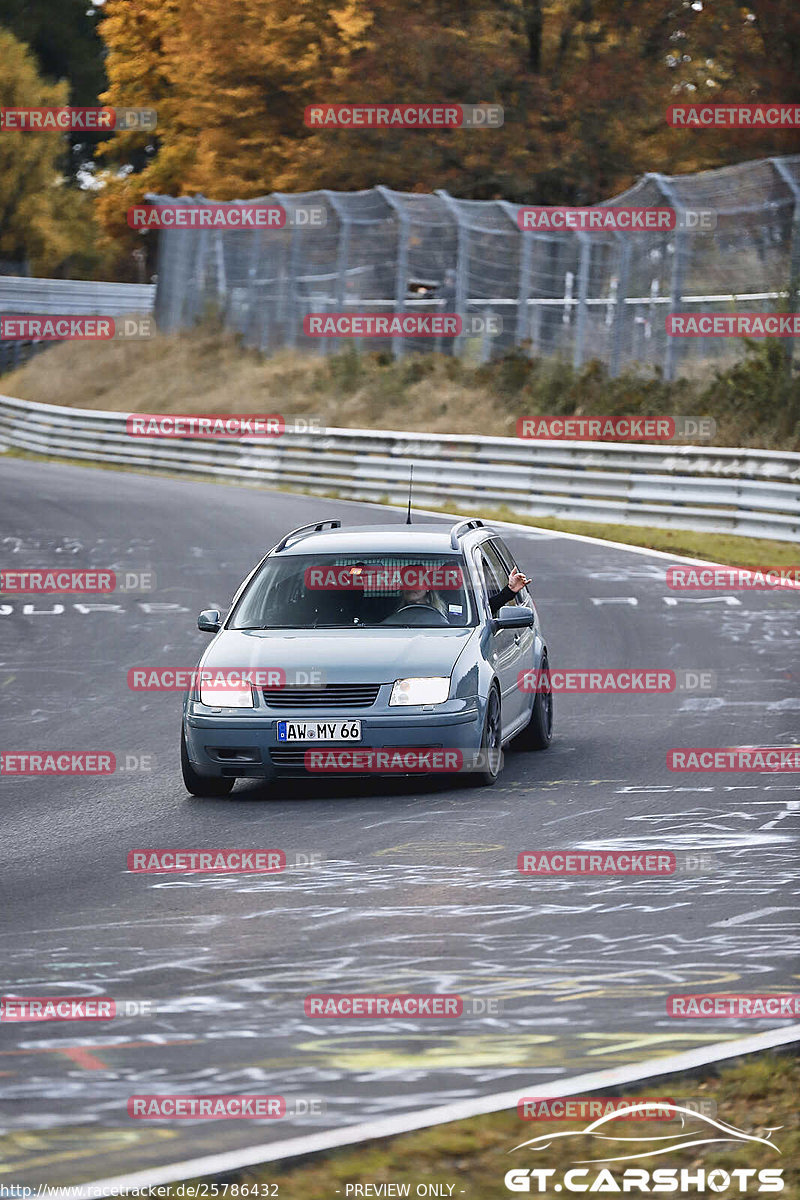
(209, 620)
(513, 616)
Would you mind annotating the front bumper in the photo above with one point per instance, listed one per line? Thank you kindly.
(247, 746)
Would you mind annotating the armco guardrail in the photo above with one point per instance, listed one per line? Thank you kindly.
(74, 297)
(747, 492)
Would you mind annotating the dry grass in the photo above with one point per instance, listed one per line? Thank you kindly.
(755, 403)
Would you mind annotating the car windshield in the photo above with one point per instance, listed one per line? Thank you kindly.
(327, 591)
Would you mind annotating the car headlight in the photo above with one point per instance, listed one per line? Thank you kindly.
(433, 690)
(226, 697)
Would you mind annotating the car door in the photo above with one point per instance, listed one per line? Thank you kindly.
(504, 644)
(527, 641)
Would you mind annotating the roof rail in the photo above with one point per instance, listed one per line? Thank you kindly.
(463, 527)
(316, 526)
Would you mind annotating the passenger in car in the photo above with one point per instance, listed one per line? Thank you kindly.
(516, 582)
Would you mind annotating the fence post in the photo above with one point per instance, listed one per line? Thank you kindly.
(523, 291)
(401, 271)
(618, 331)
(462, 263)
(583, 291)
(794, 245)
(681, 255)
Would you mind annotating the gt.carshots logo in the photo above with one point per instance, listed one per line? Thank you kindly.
(698, 1128)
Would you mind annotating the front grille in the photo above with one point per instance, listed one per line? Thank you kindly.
(293, 759)
(290, 758)
(332, 695)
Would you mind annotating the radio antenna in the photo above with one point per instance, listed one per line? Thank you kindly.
(410, 483)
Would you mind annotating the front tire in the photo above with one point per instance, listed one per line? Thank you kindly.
(491, 743)
(201, 785)
(538, 733)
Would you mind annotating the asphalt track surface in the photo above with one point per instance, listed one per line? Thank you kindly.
(416, 889)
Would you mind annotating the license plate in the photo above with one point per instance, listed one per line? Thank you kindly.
(319, 731)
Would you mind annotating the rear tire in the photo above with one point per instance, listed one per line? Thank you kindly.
(491, 744)
(201, 785)
(538, 733)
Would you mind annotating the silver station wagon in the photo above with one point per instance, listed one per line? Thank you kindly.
(371, 649)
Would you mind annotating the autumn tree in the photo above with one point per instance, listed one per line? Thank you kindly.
(44, 222)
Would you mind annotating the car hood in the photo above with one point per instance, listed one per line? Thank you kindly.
(343, 655)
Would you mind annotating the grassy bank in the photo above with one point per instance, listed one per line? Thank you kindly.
(754, 402)
(755, 1094)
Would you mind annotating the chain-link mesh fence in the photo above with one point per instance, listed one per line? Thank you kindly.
(577, 295)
